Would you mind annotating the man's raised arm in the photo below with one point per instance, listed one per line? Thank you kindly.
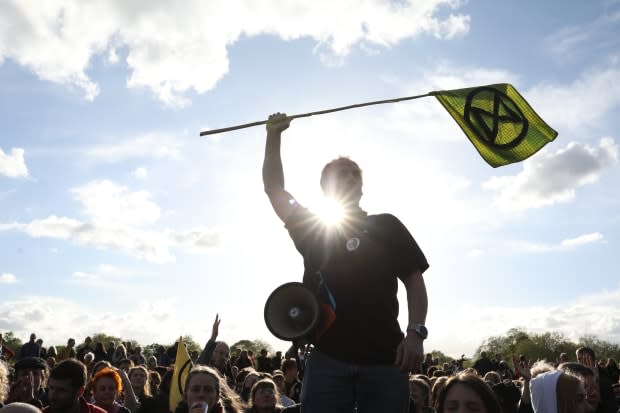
(282, 202)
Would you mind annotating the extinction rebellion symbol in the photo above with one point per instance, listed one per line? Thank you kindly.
(502, 126)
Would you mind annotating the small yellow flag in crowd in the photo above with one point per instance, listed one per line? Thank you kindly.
(182, 366)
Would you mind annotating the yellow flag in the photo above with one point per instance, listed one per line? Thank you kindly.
(182, 366)
(498, 121)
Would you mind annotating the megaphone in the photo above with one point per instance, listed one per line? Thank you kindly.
(292, 313)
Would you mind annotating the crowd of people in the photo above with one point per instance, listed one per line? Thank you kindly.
(119, 378)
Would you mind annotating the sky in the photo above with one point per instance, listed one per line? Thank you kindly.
(117, 217)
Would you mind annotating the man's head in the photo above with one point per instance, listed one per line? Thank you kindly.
(586, 375)
(341, 179)
(583, 353)
(88, 341)
(66, 385)
(221, 354)
(34, 366)
(71, 342)
(33, 337)
(290, 369)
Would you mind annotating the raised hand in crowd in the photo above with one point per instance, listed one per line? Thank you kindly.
(216, 327)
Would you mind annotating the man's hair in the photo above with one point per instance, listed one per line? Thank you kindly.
(329, 165)
(585, 350)
(70, 369)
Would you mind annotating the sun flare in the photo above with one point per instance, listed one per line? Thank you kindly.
(330, 211)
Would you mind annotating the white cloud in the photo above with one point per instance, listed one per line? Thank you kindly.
(13, 164)
(114, 214)
(564, 245)
(148, 245)
(8, 278)
(595, 93)
(55, 319)
(140, 173)
(551, 177)
(105, 201)
(172, 50)
(148, 145)
(593, 314)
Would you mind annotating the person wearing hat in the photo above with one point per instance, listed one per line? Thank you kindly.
(29, 385)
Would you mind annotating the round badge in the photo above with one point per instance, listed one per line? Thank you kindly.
(353, 244)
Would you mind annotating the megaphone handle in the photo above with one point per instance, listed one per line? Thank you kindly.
(292, 352)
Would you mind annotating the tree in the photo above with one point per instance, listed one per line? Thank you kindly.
(254, 346)
(12, 342)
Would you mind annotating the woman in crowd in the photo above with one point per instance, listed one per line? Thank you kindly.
(139, 379)
(248, 383)
(466, 392)
(419, 396)
(613, 370)
(264, 397)
(120, 353)
(205, 388)
(558, 392)
(100, 353)
(107, 385)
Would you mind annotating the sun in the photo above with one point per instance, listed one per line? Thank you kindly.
(330, 211)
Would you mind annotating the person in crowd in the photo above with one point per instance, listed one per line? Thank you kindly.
(140, 359)
(278, 379)
(20, 408)
(248, 382)
(467, 393)
(483, 365)
(607, 403)
(364, 341)
(217, 354)
(163, 395)
(51, 362)
(556, 391)
(120, 353)
(4, 382)
(85, 348)
(29, 385)
(100, 353)
(243, 360)
(419, 396)
(586, 375)
(42, 350)
(125, 365)
(51, 352)
(89, 362)
(68, 351)
(107, 386)
(6, 353)
(263, 363)
(291, 379)
(204, 387)
(436, 388)
(151, 363)
(31, 348)
(110, 351)
(612, 370)
(66, 389)
(276, 361)
(492, 378)
(155, 382)
(139, 378)
(508, 395)
(264, 398)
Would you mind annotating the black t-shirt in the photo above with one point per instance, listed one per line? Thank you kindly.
(361, 269)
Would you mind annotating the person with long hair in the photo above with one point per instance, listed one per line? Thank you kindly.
(205, 388)
(139, 378)
(264, 397)
(467, 393)
(558, 392)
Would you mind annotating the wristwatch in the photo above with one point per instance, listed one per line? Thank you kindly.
(419, 329)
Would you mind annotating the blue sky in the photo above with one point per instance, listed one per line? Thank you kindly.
(116, 216)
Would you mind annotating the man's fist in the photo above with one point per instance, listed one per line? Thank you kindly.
(278, 122)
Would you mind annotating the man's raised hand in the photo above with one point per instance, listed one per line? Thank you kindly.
(215, 330)
(277, 123)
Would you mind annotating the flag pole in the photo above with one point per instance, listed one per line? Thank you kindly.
(320, 112)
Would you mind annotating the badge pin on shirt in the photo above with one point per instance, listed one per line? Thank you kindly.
(353, 244)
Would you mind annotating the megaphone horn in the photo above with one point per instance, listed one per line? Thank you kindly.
(292, 312)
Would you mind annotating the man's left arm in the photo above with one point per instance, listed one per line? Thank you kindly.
(410, 351)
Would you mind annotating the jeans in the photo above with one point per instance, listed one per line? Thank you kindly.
(332, 386)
